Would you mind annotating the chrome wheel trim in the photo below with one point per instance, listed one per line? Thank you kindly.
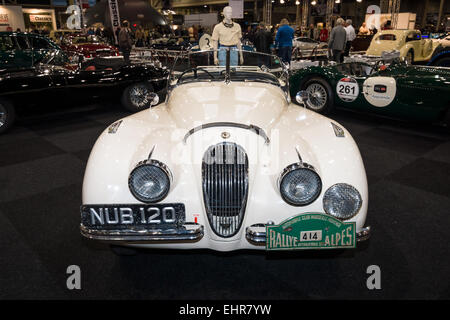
(317, 96)
(3, 115)
(138, 96)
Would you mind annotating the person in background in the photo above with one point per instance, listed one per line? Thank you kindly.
(351, 35)
(249, 35)
(263, 39)
(387, 25)
(283, 41)
(323, 35)
(191, 33)
(125, 42)
(373, 30)
(338, 38)
(139, 36)
(262, 42)
(363, 30)
(201, 31)
(313, 32)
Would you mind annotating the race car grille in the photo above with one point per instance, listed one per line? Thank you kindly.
(225, 187)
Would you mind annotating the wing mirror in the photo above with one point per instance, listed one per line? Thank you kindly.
(153, 98)
(302, 97)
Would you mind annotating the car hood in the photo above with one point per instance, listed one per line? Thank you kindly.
(251, 103)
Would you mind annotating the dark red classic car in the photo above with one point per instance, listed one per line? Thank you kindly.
(90, 46)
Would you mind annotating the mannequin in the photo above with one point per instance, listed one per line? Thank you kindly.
(227, 35)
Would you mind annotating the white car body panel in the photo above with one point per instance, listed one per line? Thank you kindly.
(163, 127)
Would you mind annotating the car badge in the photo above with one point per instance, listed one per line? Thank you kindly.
(225, 135)
(114, 127)
(338, 131)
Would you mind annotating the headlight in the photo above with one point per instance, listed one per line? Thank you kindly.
(342, 201)
(300, 185)
(150, 181)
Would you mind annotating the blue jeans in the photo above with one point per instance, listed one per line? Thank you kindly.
(285, 54)
(223, 56)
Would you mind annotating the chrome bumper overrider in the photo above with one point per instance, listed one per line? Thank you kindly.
(187, 232)
(256, 234)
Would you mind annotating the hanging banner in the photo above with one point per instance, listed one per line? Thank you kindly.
(238, 8)
(115, 18)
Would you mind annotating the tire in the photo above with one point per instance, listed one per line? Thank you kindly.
(7, 115)
(134, 96)
(123, 251)
(322, 95)
(410, 57)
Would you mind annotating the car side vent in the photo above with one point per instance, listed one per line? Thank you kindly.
(225, 187)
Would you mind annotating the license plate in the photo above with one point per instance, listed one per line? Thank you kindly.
(311, 231)
(122, 216)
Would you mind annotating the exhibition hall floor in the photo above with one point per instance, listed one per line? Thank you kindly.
(42, 164)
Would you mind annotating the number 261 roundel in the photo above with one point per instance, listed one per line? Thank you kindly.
(347, 89)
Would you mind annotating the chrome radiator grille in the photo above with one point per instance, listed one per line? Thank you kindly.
(225, 187)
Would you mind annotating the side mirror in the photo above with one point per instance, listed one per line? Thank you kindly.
(302, 97)
(153, 98)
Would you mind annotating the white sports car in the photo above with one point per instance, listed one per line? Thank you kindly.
(227, 162)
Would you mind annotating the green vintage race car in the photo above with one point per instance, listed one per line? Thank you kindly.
(397, 89)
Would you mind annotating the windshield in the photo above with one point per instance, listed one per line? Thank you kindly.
(227, 65)
(55, 58)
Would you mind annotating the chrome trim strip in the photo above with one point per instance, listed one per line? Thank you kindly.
(189, 231)
(364, 234)
(255, 236)
(259, 131)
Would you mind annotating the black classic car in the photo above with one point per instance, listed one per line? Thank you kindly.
(53, 79)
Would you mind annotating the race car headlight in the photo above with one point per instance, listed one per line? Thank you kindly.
(342, 201)
(150, 181)
(300, 185)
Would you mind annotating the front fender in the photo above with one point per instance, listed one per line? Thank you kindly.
(114, 155)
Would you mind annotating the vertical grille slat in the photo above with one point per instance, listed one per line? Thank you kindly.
(225, 187)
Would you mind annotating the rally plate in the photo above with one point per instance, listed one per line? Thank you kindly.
(311, 231)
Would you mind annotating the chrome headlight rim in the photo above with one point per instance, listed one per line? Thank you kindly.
(299, 166)
(159, 165)
(351, 187)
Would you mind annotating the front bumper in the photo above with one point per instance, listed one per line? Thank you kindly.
(187, 232)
